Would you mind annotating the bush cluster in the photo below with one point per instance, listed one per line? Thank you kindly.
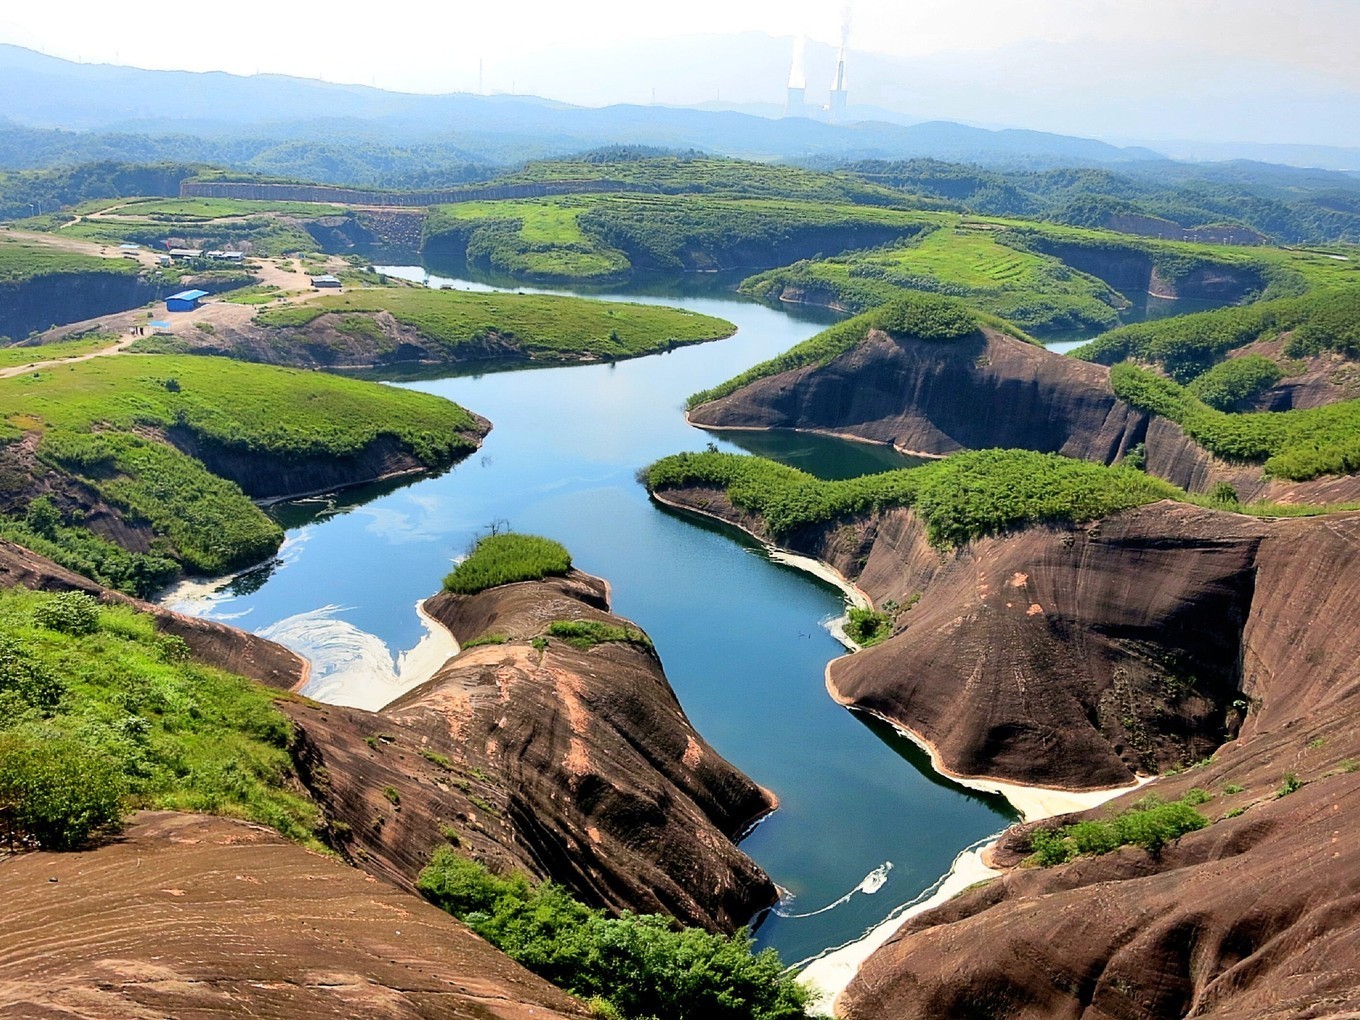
(585, 634)
(506, 558)
(642, 966)
(1232, 384)
(961, 498)
(113, 718)
(1150, 824)
(1298, 445)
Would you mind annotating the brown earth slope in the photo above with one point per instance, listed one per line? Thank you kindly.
(574, 765)
(1071, 656)
(196, 918)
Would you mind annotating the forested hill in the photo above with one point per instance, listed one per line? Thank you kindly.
(1159, 197)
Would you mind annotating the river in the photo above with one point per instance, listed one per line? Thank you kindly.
(864, 824)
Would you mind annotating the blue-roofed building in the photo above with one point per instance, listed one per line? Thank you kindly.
(184, 301)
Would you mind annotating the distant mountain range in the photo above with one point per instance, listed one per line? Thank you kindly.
(38, 91)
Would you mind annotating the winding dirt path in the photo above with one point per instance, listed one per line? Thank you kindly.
(38, 366)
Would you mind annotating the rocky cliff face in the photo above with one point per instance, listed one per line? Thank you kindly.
(188, 916)
(263, 475)
(990, 390)
(576, 765)
(937, 398)
(1165, 636)
(1250, 917)
(59, 298)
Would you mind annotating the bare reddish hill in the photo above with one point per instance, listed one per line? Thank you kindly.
(1071, 656)
(574, 765)
(989, 390)
(198, 918)
(578, 766)
(1253, 918)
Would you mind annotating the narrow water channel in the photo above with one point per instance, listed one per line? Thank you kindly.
(864, 824)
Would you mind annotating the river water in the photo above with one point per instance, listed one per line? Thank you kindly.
(864, 824)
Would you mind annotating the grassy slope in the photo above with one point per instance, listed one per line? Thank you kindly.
(269, 228)
(1036, 291)
(1003, 266)
(539, 324)
(93, 419)
(23, 260)
(132, 709)
(538, 238)
(12, 356)
(590, 236)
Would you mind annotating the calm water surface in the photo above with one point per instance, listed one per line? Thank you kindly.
(863, 825)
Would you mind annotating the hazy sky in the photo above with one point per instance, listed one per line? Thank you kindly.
(423, 46)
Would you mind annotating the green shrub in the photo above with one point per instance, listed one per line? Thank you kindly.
(585, 634)
(71, 612)
(505, 559)
(26, 679)
(1289, 783)
(129, 721)
(1231, 384)
(1150, 824)
(1224, 494)
(56, 793)
(641, 965)
(866, 627)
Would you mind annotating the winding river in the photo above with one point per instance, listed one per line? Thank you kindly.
(864, 824)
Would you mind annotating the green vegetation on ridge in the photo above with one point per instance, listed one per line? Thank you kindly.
(505, 558)
(1150, 824)
(597, 236)
(1187, 345)
(961, 498)
(1298, 444)
(1036, 291)
(536, 324)
(100, 714)
(631, 967)
(100, 422)
(21, 261)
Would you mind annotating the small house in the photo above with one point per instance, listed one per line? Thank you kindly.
(186, 253)
(185, 300)
(326, 281)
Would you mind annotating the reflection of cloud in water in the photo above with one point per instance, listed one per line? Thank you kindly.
(352, 667)
(430, 518)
